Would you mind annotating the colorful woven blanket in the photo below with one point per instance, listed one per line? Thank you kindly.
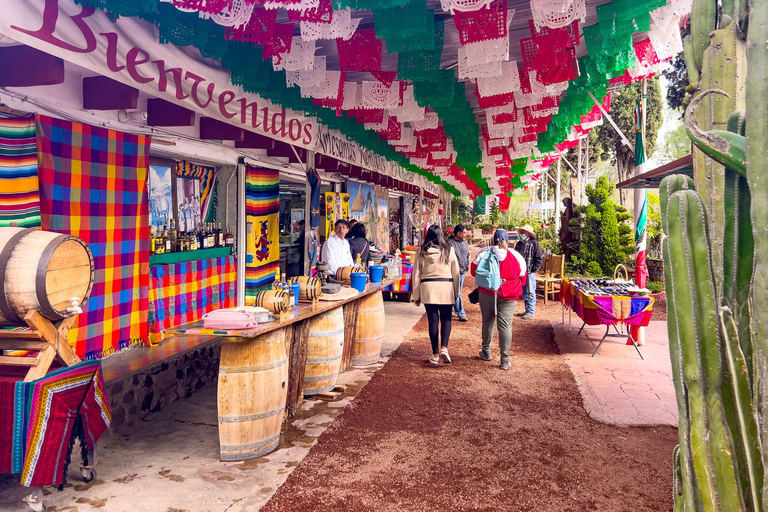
(184, 292)
(262, 206)
(19, 197)
(48, 414)
(606, 310)
(404, 283)
(93, 184)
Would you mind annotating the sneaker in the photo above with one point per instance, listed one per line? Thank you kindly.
(444, 355)
(434, 359)
(484, 357)
(527, 316)
(463, 319)
(504, 366)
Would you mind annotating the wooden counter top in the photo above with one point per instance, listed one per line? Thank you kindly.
(297, 314)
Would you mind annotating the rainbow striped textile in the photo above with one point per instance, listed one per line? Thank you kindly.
(262, 206)
(606, 309)
(19, 197)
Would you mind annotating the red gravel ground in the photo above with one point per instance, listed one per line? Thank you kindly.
(659, 306)
(469, 436)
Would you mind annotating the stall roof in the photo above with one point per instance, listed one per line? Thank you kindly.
(652, 179)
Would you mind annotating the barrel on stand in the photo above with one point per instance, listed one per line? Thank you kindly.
(369, 332)
(324, 351)
(42, 271)
(345, 273)
(277, 301)
(310, 287)
(253, 386)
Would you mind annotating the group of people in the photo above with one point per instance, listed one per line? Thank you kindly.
(348, 245)
(438, 277)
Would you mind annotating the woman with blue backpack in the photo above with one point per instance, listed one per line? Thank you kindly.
(435, 282)
(500, 275)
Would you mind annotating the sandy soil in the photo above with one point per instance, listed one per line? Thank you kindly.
(469, 436)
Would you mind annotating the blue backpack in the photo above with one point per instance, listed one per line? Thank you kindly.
(488, 274)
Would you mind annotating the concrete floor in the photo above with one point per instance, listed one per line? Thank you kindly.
(170, 463)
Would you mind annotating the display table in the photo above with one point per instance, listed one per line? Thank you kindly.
(606, 310)
(270, 361)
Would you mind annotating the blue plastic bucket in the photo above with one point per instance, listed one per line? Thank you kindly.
(357, 280)
(296, 287)
(376, 272)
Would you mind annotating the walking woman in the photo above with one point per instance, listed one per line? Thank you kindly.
(435, 281)
(500, 305)
(358, 243)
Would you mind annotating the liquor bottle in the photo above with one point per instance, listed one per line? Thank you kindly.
(167, 240)
(192, 242)
(152, 240)
(229, 238)
(159, 242)
(211, 236)
(173, 236)
(203, 244)
(219, 236)
(277, 284)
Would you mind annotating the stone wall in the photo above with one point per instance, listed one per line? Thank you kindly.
(139, 394)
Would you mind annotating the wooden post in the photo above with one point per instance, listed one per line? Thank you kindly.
(298, 334)
(350, 328)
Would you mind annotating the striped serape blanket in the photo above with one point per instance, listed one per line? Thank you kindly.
(19, 196)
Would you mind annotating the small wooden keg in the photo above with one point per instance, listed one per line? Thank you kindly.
(324, 350)
(369, 332)
(344, 273)
(43, 271)
(253, 387)
(310, 287)
(277, 301)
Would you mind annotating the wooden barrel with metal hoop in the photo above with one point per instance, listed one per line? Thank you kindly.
(277, 301)
(324, 351)
(370, 330)
(43, 271)
(310, 287)
(344, 273)
(253, 387)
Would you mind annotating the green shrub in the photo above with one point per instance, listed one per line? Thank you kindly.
(594, 269)
(655, 286)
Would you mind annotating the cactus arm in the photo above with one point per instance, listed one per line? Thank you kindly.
(724, 147)
(744, 413)
(757, 156)
(694, 73)
(677, 481)
(737, 121)
(703, 21)
(669, 186)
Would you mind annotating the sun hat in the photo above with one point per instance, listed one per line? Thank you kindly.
(528, 229)
(500, 234)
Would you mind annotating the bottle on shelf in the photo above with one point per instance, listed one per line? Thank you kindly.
(167, 240)
(219, 236)
(192, 242)
(211, 235)
(277, 283)
(357, 262)
(203, 244)
(173, 236)
(229, 238)
(159, 242)
(152, 240)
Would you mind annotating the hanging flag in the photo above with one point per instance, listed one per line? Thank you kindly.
(641, 203)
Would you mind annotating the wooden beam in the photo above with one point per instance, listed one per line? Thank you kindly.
(350, 327)
(103, 93)
(284, 150)
(298, 362)
(253, 140)
(24, 66)
(54, 336)
(165, 113)
(18, 361)
(213, 129)
(9, 334)
(23, 345)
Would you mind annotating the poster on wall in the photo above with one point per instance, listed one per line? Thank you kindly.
(362, 206)
(188, 204)
(336, 207)
(382, 219)
(297, 215)
(160, 196)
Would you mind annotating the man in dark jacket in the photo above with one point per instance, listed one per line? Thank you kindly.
(459, 243)
(529, 247)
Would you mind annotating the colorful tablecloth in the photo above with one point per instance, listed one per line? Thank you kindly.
(606, 310)
(183, 292)
(39, 420)
(404, 284)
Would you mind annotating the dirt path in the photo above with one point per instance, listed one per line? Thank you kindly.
(468, 436)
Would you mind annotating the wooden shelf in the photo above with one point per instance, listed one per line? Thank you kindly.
(184, 257)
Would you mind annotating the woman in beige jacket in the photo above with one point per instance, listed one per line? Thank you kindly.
(435, 281)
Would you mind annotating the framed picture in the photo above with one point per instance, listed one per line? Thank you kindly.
(160, 196)
(188, 207)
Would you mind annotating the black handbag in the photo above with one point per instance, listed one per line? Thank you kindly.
(474, 296)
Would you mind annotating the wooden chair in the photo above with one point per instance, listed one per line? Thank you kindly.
(554, 266)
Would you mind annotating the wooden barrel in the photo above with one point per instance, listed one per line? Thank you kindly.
(369, 331)
(253, 387)
(324, 350)
(310, 287)
(277, 301)
(43, 271)
(344, 273)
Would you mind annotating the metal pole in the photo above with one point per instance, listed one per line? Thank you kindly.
(624, 139)
(578, 177)
(310, 165)
(557, 198)
(586, 170)
(242, 239)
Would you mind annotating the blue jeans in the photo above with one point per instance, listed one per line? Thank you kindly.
(529, 294)
(458, 307)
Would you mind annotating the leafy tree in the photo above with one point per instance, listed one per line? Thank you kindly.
(677, 80)
(608, 144)
(653, 227)
(675, 144)
(606, 240)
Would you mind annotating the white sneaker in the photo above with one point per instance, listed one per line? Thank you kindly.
(444, 355)
(434, 359)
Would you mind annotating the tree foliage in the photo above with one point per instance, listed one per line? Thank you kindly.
(677, 80)
(675, 144)
(606, 240)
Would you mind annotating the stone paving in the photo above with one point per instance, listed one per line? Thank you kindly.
(617, 386)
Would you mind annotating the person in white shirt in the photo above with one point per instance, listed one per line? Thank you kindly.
(336, 249)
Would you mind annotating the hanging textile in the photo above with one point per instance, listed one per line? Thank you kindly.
(262, 206)
(19, 197)
(382, 219)
(183, 292)
(207, 177)
(336, 207)
(93, 184)
(314, 198)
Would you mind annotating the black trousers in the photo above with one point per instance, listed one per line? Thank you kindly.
(439, 318)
